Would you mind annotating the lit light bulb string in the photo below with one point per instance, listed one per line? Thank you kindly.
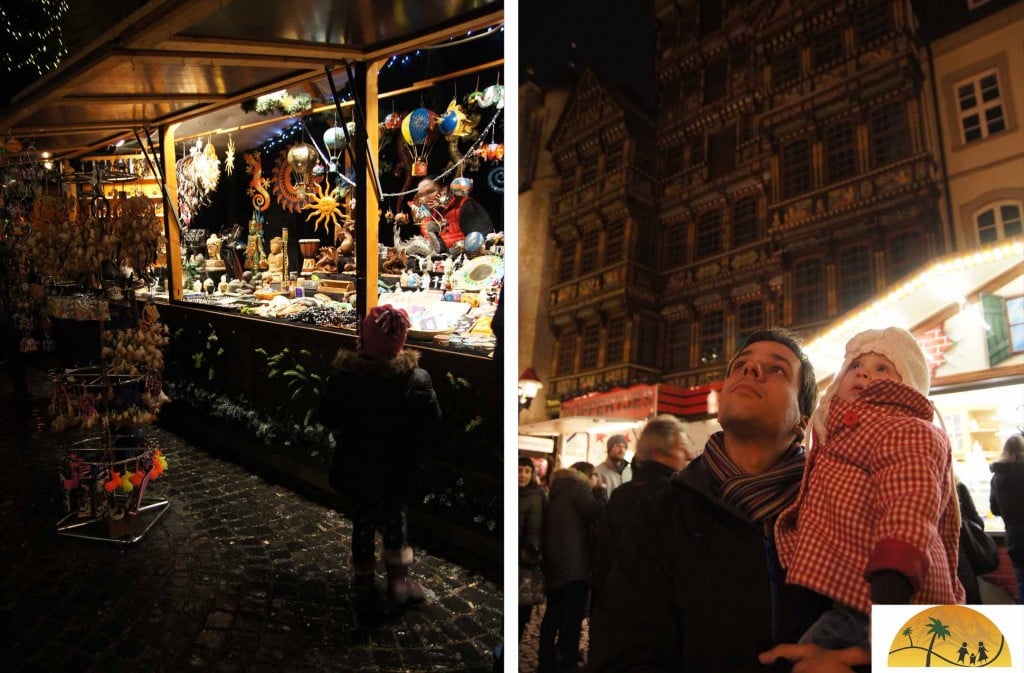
(47, 49)
(452, 42)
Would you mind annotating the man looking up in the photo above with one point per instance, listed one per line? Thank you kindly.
(696, 584)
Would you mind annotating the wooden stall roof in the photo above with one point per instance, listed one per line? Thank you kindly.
(174, 60)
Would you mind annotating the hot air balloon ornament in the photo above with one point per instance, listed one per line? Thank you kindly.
(419, 128)
(335, 141)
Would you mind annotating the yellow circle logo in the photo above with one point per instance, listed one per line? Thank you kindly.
(949, 636)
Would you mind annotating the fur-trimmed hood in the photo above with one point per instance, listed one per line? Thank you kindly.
(354, 363)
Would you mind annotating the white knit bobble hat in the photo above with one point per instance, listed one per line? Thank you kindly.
(895, 343)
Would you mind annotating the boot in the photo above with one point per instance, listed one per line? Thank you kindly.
(401, 589)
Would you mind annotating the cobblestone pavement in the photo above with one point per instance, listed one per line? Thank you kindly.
(240, 575)
(531, 641)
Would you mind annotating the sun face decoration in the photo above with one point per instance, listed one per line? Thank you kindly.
(327, 209)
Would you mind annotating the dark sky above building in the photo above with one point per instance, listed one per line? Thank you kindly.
(559, 37)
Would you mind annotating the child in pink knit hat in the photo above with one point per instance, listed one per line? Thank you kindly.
(383, 409)
(876, 519)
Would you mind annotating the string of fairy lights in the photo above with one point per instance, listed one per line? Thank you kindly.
(34, 40)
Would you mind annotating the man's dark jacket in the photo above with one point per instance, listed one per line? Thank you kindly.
(649, 478)
(695, 587)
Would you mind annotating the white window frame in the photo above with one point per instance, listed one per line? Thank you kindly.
(980, 107)
(1000, 225)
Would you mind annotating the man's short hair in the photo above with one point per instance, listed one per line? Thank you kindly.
(808, 396)
(659, 436)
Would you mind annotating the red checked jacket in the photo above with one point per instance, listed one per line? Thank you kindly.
(876, 495)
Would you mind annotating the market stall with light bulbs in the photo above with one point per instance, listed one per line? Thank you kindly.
(286, 178)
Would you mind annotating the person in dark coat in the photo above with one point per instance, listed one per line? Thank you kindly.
(662, 449)
(696, 584)
(575, 502)
(383, 410)
(1007, 500)
(965, 572)
(532, 502)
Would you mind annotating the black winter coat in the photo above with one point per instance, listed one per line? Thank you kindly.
(695, 587)
(384, 414)
(1007, 500)
(572, 507)
(532, 502)
(649, 479)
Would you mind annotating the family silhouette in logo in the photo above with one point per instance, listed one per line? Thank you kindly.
(979, 657)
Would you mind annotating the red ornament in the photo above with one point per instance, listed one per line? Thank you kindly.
(850, 419)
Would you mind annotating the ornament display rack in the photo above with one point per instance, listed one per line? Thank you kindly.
(122, 518)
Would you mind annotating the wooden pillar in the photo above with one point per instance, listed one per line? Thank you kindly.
(367, 211)
(172, 227)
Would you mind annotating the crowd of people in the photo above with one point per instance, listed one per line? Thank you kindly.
(765, 549)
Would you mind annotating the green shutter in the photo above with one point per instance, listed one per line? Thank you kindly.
(994, 308)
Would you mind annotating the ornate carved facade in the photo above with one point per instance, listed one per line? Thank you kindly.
(794, 179)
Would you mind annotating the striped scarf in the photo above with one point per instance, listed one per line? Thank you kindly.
(762, 496)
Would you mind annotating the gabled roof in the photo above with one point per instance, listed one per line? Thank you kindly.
(592, 93)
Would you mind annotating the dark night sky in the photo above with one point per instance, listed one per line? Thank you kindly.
(618, 44)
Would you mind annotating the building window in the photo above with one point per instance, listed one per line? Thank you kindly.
(647, 245)
(616, 341)
(613, 159)
(647, 341)
(566, 262)
(785, 66)
(614, 242)
(568, 181)
(1015, 320)
(715, 80)
(721, 152)
(678, 337)
(670, 162)
(827, 47)
(588, 254)
(999, 222)
(590, 347)
(696, 151)
(710, 16)
(855, 284)
(566, 352)
(712, 338)
(744, 222)
(889, 133)
(981, 107)
(589, 170)
(796, 168)
(906, 254)
(709, 234)
(808, 290)
(749, 319)
(873, 22)
(840, 152)
(675, 245)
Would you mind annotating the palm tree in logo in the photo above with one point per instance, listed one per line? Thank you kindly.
(906, 632)
(938, 630)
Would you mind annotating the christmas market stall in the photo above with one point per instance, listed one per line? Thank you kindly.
(298, 172)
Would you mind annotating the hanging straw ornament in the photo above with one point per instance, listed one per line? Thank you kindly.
(229, 156)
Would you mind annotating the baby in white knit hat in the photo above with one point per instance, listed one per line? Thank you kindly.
(876, 519)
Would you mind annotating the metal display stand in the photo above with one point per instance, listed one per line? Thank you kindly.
(93, 511)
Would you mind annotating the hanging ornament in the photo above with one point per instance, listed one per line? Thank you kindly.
(462, 186)
(418, 130)
(496, 179)
(393, 121)
(335, 142)
(229, 157)
(302, 159)
(286, 189)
